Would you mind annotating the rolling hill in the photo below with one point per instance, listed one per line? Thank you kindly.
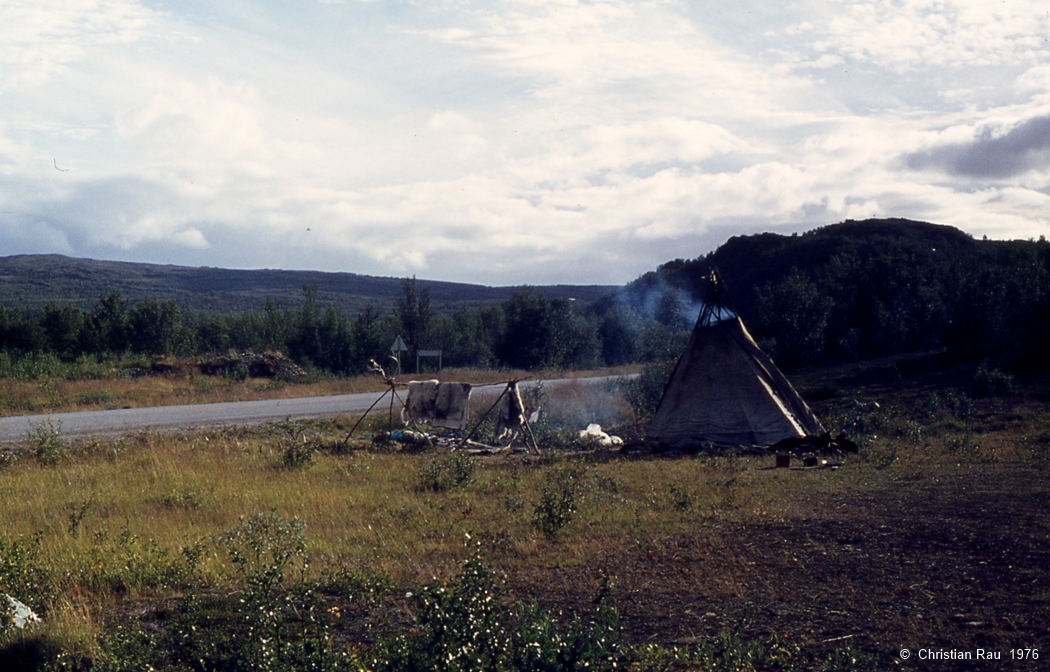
(31, 281)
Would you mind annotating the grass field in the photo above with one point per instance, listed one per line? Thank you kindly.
(305, 552)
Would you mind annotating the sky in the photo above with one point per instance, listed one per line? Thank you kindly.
(510, 142)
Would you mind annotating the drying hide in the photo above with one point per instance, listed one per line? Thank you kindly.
(437, 404)
(511, 416)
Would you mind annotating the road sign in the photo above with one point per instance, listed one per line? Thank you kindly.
(399, 345)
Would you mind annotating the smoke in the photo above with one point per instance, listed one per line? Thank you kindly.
(653, 298)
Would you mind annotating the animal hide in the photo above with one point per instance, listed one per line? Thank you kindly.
(437, 404)
(511, 417)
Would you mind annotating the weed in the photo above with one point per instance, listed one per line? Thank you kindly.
(464, 625)
(602, 487)
(77, 511)
(988, 381)
(1041, 446)
(98, 398)
(45, 441)
(682, 500)
(446, 472)
(513, 504)
(262, 546)
(558, 501)
(961, 444)
(296, 450)
(950, 403)
(125, 563)
(848, 659)
(730, 650)
(181, 499)
(365, 589)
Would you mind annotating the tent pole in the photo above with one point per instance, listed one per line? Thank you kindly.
(363, 416)
(486, 414)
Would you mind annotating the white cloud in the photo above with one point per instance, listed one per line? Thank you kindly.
(907, 35)
(525, 141)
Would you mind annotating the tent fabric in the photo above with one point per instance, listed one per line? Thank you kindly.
(726, 392)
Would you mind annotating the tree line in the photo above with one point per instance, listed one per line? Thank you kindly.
(528, 331)
(841, 293)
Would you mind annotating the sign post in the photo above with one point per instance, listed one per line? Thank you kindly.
(396, 348)
(428, 353)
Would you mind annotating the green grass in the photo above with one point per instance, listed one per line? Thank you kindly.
(94, 529)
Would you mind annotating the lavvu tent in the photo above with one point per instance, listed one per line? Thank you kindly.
(725, 391)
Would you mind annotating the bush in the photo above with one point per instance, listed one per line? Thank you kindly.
(263, 546)
(988, 381)
(23, 574)
(464, 625)
(45, 441)
(296, 450)
(644, 393)
(558, 502)
(446, 472)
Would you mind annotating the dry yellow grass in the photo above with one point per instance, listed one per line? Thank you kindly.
(367, 510)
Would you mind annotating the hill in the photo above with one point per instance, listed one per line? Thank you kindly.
(876, 287)
(32, 281)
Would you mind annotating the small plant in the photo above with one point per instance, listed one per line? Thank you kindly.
(644, 392)
(1041, 446)
(263, 546)
(297, 454)
(296, 449)
(988, 381)
(464, 625)
(364, 589)
(45, 441)
(682, 500)
(181, 499)
(558, 501)
(848, 659)
(77, 511)
(446, 472)
(23, 573)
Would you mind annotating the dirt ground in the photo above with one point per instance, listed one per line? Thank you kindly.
(954, 560)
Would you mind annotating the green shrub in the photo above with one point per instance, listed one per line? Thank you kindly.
(262, 547)
(558, 501)
(446, 472)
(988, 381)
(465, 625)
(296, 450)
(45, 441)
(643, 393)
(23, 573)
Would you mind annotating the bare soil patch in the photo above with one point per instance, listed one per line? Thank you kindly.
(955, 559)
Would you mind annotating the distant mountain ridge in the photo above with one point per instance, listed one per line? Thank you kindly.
(32, 281)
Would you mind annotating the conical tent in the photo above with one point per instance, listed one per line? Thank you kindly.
(725, 391)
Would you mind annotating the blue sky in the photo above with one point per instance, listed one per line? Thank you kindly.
(511, 142)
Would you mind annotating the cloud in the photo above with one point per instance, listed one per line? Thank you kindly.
(525, 141)
(992, 153)
(40, 39)
(909, 35)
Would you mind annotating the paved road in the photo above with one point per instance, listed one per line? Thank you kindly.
(167, 418)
